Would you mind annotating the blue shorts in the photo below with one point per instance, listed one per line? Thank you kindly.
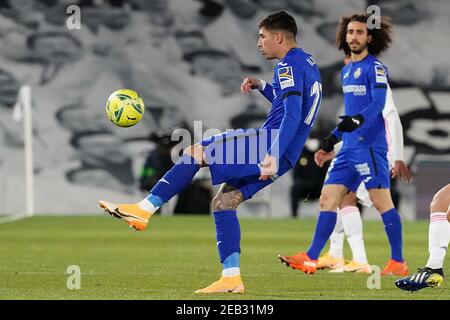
(353, 166)
(234, 157)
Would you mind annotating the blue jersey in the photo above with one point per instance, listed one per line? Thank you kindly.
(295, 93)
(365, 87)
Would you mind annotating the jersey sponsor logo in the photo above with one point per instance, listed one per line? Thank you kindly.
(357, 90)
(286, 77)
(380, 74)
(357, 73)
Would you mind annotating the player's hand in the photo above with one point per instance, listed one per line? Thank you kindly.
(327, 143)
(268, 167)
(249, 84)
(401, 171)
(320, 157)
(350, 123)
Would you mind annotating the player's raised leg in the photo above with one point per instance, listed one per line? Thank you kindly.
(228, 236)
(330, 199)
(432, 274)
(176, 179)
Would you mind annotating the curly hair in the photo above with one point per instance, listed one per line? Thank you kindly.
(381, 37)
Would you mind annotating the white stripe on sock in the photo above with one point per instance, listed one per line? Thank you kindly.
(147, 206)
(231, 272)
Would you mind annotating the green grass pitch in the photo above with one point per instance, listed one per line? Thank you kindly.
(177, 255)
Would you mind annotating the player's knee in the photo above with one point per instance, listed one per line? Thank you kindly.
(381, 199)
(438, 205)
(349, 200)
(219, 203)
(216, 203)
(195, 151)
(382, 205)
(226, 201)
(327, 202)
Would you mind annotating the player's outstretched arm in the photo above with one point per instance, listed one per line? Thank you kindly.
(320, 157)
(250, 84)
(268, 167)
(329, 147)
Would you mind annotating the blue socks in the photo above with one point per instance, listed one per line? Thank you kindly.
(228, 236)
(393, 227)
(175, 180)
(232, 261)
(324, 228)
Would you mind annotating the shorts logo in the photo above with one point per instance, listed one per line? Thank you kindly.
(380, 74)
(363, 169)
(286, 77)
(367, 179)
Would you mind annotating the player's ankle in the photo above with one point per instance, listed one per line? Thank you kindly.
(148, 206)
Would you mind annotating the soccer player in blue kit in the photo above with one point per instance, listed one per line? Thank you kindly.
(363, 157)
(295, 94)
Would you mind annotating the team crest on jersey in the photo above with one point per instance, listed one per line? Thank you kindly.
(286, 77)
(380, 74)
(357, 73)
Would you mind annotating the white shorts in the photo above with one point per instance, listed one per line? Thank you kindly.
(363, 195)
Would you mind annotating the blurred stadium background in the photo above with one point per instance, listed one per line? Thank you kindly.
(187, 59)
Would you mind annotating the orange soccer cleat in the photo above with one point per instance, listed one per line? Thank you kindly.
(225, 284)
(300, 261)
(357, 267)
(326, 261)
(130, 213)
(395, 268)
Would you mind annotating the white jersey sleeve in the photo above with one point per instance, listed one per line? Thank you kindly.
(394, 130)
(338, 147)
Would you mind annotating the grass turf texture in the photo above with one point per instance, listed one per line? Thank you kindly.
(177, 255)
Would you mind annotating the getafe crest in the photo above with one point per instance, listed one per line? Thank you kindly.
(357, 73)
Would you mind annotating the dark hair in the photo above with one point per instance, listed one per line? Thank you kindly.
(279, 20)
(381, 37)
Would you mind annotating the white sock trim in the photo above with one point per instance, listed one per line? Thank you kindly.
(231, 272)
(438, 216)
(147, 206)
(348, 210)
